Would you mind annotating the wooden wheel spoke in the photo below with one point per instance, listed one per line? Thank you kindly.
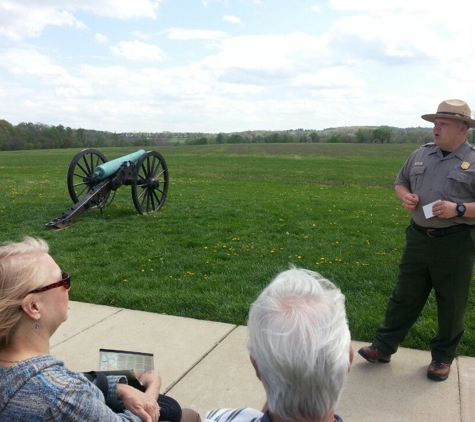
(150, 186)
(80, 174)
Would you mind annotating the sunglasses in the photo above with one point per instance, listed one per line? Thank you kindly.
(65, 282)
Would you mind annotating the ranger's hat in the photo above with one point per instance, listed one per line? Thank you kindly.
(452, 109)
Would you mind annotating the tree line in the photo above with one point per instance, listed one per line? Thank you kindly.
(41, 136)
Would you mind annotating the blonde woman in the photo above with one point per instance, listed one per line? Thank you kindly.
(36, 386)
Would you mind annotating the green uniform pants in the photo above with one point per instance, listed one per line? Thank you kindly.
(444, 264)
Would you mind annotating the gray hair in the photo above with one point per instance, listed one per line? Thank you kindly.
(299, 338)
(19, 274)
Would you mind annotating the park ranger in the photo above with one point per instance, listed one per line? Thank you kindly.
(437, 186)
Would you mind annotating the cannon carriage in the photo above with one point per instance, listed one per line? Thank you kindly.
(91, 179)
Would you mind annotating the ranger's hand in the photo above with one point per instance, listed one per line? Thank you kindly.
(410, 201)
(445, 209)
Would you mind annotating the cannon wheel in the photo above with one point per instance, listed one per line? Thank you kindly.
(80, 175)
(150, 184)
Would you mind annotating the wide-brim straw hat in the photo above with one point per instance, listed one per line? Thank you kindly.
(452, 109)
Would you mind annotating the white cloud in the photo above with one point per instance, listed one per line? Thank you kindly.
(269, 52)
(379, 37)
(232, 19)
(19, 21)
(140, 35)
(101, 39)
(29, 63)
(117, 82)
(349, 62)
(194, 34)
(421, 15)
(138, 51)
(121, 9)
(338, 77)
(53, 83)
(377, 5)
(30, 104)
(23, 19)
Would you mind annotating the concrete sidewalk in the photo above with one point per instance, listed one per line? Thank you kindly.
(205, 365)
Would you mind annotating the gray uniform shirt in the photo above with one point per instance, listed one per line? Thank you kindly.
(432, 176)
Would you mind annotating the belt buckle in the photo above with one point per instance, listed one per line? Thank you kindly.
(431, 232)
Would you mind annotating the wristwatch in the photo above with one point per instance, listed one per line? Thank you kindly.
(461, 208)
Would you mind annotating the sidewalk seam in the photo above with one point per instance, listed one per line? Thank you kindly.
(196, 363)
(87, 328)
(460, 392)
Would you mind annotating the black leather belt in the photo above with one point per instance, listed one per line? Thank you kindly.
(431, 232)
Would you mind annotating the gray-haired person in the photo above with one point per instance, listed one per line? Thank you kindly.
(300, 348)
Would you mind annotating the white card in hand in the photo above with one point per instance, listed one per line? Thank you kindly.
(428, 209)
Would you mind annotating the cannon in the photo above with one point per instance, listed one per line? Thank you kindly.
(91, 179)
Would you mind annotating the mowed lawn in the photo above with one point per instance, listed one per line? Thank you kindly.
(235, 216)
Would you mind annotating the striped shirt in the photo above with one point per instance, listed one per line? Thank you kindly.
(244, 414)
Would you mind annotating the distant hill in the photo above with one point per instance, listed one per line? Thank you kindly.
(41, 136)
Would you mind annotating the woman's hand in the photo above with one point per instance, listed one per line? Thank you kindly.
(144, 405)
(151, 380)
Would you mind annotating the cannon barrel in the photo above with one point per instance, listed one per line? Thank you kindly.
(109, 168)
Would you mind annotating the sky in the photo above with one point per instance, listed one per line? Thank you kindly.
(232, 65)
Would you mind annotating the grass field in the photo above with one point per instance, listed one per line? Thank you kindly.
(235, 216)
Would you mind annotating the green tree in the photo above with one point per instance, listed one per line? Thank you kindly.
(272, 138)
(81, 136)
(221, 138)
(286, 137)
(364, 136)
(339, 138)
(235, 138)
(7, 132)
(314, 136)
(382, 134)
